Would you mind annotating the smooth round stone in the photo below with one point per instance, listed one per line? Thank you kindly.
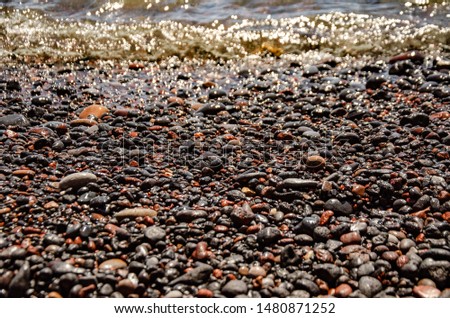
(389, 256)
(77, 180)
(155, 234)
(113, 264)
(14, 120)
(126, 286)
(343, 290)
(134, 213)
(369, 286)
(424, 291)
(315, 162)
(426, 282)
(234, 288)
(406, 244)
(256, 271)
(174, 294)
(93, 110)
(350, 238)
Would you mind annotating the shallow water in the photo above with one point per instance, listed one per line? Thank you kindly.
(156, 29)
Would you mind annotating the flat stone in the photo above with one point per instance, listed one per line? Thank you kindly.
(134, 213)
(113, 264)
(77, 180)
(14, 120)
(299, 184)
(234, 288)
(93, 110)
(315, 162)
(424, 291)
(190, 215)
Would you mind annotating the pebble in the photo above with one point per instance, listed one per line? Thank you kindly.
(113, 264)
(135, 213)
(256, 271)
(338, 207)
(234, 288)
(299, 184)
(242, 215)
(14, 120)
(77, 180)
(369, 286)
(343, 290)
(155, 234)
(424, 291)
(268, 235)
(315, 162)
(21, 282)
(351, 238)
(94, 110)
(190, 215)
(196, 276)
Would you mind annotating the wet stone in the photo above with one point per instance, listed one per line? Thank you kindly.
(299, 184)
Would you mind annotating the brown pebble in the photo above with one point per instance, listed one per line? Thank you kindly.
(201, 251)
(113, 264)
(425, 291)
(350, 238)
(358, 189)
(54, 294)
(343, 290)
(402, 260)
(426, 282)
(243, 270)
(325, 217)
(126, 286)
(256, 271)
(51, 205)
(315, 162)
(24, 172)
(93, 110)
(204, 293)
(134, 213)
(389, 256)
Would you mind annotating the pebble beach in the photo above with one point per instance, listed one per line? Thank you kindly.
(273, 174)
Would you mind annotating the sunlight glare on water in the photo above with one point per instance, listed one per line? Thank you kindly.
(155, 29)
